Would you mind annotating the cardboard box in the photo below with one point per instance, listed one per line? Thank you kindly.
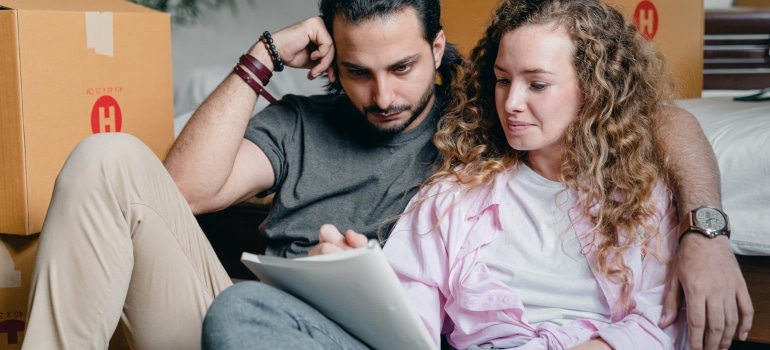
(71, 69)
(17, 258)
(676, 28)
(17, 261)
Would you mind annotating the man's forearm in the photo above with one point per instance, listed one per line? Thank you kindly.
(202, 158)
(692, 164)
(718, 301)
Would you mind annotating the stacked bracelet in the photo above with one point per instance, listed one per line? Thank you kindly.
(259, 89)
(268, 40)
(256, 67)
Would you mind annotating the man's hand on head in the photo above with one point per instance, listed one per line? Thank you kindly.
(330, 240)
(306, 44)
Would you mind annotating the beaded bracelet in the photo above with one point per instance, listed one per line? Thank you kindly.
(277, 62)
(259, 89)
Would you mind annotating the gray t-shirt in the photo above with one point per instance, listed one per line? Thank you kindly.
(331, 167)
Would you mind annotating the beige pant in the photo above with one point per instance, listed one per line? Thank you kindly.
(120, 243)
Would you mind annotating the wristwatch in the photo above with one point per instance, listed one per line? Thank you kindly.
(706, 220)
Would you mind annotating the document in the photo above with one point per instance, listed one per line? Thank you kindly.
(356, 288)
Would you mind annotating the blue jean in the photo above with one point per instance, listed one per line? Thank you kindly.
(254, 315)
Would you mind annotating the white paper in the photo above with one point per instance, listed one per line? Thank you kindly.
(356, 288)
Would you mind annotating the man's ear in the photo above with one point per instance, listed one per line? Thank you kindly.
(439, 44)
(331, 72)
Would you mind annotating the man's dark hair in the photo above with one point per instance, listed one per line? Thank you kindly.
(428, 12)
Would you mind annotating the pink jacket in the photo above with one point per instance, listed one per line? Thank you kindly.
(434, 251)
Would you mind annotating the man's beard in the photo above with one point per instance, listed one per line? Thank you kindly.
(395, 129)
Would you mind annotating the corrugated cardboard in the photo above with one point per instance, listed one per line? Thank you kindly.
(17, 258)
(676, 28)
(71, 69)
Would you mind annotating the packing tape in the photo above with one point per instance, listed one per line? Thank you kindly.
(99, 32)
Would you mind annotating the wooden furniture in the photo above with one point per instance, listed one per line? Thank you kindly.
(736, 57)
(735, 51)
(756, 271)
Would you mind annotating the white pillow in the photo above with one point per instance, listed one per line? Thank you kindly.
(739, 132)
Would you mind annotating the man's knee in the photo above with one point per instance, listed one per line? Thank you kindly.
(109, 145)
(100, 153)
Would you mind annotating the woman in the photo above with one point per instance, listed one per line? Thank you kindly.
(549, 223)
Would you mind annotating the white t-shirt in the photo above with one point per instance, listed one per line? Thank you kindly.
(539, 256)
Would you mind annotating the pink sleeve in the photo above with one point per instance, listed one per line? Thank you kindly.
(639, 329)
(416, 252)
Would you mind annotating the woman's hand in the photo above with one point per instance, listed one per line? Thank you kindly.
(330, 240)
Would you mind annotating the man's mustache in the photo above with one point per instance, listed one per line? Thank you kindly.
(389, 110)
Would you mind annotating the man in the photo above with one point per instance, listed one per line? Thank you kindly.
(120, 240)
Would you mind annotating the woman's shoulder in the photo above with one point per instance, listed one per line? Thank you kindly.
(460, 195)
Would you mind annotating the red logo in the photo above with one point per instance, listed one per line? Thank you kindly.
(12, 329)
(646, 19)
(106, 115)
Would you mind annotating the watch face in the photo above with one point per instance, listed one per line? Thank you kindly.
(710, 219)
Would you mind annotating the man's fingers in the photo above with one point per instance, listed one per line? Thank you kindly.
(696, 322)
(746, 310)
(731, 323)
(671, 303)
(324, 55)
(715, 324)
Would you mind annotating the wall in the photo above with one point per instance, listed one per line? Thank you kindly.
(221, 37)
(717, 4)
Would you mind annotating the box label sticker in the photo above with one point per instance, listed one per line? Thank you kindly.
(12, 328)
(646, 19)
(106, 115)
(99, 32)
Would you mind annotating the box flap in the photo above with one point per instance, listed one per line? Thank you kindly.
(13, 199)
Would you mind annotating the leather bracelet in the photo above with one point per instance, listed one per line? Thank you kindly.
(256, 67)
(259, 89)
(277, 62)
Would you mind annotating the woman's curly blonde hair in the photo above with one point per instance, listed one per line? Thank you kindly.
(611, 156)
